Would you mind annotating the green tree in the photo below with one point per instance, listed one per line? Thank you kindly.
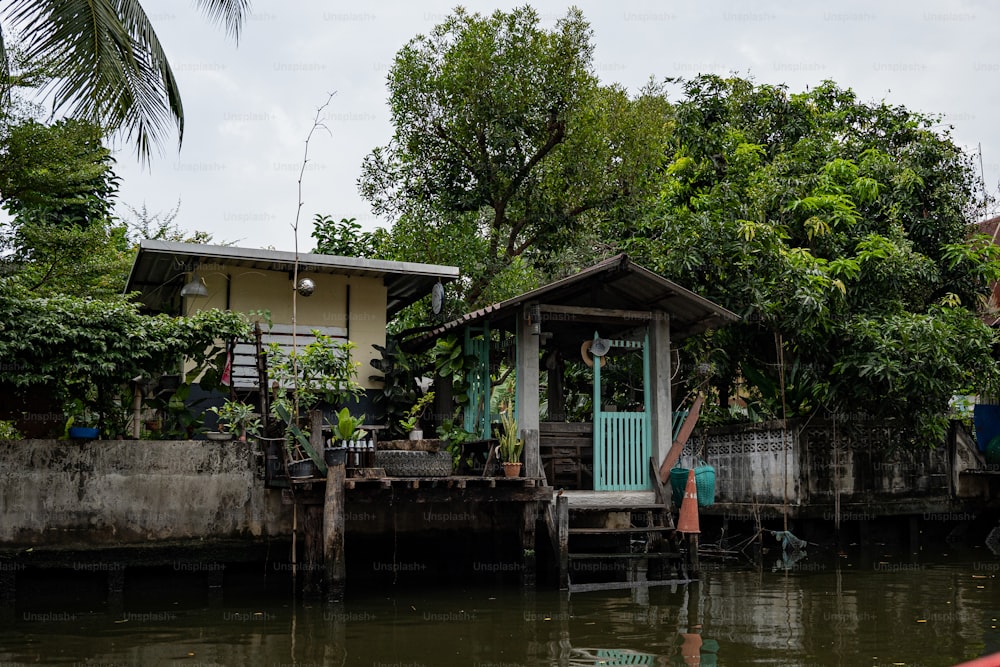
(501, 126)
(111, 66)
(344, 238)
(58, 185)
(839, 231)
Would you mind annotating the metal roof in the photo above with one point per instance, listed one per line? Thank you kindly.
(159, 268)
(616, 284)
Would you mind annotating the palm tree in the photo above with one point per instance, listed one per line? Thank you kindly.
(111, 67)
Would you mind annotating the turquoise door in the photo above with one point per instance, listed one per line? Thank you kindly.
(622, 440)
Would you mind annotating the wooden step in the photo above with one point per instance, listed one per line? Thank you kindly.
(628, 555)
(612, 531)
(613, 585)
(605, 508)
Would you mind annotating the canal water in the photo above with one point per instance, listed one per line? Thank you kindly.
(849, 609)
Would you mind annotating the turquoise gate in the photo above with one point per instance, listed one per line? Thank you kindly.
(623, 440)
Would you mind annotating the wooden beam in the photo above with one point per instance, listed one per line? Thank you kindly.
(591, 314)
(678, 446)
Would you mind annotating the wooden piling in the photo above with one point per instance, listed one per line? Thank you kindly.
(528, 543)
(562, 526)
(312, 568)
(694, 566)
(335, 567)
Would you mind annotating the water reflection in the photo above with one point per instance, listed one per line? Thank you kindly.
(863, 611)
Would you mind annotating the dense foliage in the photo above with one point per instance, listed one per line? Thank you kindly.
(91, 350)
(839, 231)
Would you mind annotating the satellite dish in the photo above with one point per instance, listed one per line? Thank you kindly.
(600, 347)
(437, 297)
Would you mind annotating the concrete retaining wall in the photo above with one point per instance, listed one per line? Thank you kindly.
(110, 493)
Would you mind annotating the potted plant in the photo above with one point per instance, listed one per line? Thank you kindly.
(347, 432)
(320, 371)
(299, 454)
(510, 447)
(235, 418)
(81, 422)
(411, 422)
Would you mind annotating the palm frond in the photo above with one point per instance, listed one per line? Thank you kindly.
(228, 12)
(112, 67)
(4, 74)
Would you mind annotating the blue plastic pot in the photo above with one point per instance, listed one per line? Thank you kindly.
(83, 432)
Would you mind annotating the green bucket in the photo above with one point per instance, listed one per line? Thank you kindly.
(704, 481)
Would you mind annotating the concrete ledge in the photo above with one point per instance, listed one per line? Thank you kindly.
(106, 493)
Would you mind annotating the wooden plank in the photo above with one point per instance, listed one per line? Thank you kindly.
(678, 446)
(627, 555)
(613, 585)
(566, 428)
(592, 315)
(573, 442)
(612, 531)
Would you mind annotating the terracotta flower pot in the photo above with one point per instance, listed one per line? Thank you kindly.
(511, 469)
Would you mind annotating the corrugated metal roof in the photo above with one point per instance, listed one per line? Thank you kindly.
(615, 283)
(159, 268)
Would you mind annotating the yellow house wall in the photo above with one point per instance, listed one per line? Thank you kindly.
(253, 289)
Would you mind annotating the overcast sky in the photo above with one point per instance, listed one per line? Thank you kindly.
(249, 107)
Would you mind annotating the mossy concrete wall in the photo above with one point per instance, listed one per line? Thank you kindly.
(65, 494)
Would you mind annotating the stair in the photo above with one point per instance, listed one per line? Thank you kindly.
(616, 540)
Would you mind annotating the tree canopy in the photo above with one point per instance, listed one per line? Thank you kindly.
(840, 231)
(501, 126)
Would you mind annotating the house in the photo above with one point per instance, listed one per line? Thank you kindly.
(344, 297)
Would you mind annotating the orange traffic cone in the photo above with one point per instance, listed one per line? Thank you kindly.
(688, 521)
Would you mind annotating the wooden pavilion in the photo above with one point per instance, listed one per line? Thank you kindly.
(617, 308)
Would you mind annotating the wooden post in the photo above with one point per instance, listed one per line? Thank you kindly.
(556, 367)
(694, 567)
(661, 410)
(527, 388)
(562, 525)
(528, 544)
(8, 591)
(312, 575)
(333, 534)
(532, 454)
